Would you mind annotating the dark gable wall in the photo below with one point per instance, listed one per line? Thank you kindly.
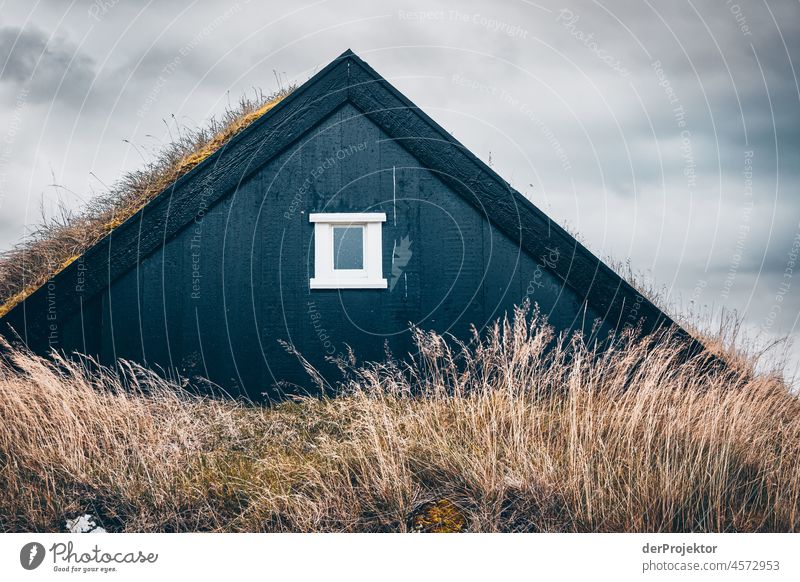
(215, 300)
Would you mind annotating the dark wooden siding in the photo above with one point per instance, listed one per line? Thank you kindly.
(215, 300)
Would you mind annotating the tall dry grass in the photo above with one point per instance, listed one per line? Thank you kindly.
(509, 435)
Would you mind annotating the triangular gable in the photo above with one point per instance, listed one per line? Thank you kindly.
(346, 79)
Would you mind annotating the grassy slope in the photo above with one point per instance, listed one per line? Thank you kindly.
(510, 438)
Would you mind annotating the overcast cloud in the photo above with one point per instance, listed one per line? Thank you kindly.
(666, 133)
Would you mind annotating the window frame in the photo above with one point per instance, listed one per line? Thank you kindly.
(325, 275)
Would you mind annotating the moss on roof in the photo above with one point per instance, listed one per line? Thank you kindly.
(58, 241)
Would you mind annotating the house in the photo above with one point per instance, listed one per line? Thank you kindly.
(338, 218)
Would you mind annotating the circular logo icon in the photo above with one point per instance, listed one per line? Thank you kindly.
(31, 555)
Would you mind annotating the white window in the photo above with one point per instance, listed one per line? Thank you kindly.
(347, 251)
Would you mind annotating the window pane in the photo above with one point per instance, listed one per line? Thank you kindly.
(348, 247)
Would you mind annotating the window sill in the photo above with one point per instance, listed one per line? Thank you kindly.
(348, 284)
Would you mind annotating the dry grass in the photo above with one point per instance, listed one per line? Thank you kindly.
(60, 239)
(505, 436)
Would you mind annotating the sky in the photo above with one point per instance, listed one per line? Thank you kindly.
(665, 134)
